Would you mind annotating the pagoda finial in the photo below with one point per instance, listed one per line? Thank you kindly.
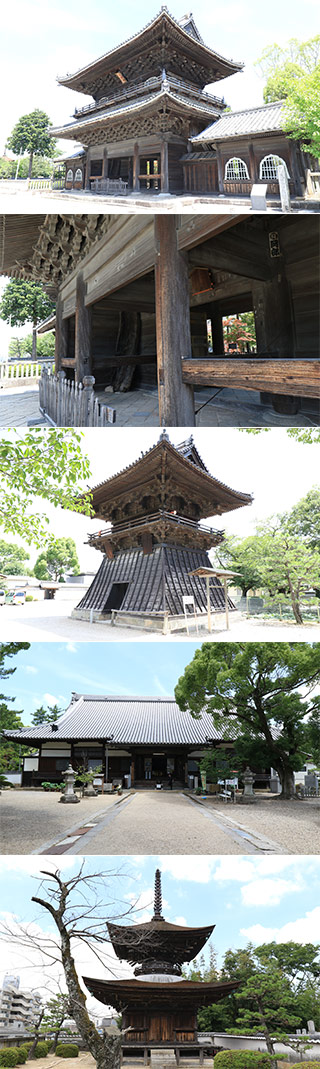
(164, 436)
(157, 897)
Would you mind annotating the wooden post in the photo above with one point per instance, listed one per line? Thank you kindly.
(82, 332)
(87, 172)
(220, 171)
(226, 602)
(294, 169)
(253, 164)
(105, 163)
(136, 168)
(164, 167)
(61, 336)
(217, 330)
(208, 604)
(107, 765)
(176, 403)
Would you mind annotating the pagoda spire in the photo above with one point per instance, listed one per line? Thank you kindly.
(157, 916)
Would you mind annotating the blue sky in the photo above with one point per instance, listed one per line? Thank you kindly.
(118, 668)
(248, 899)
(277, 470)
(41, 40)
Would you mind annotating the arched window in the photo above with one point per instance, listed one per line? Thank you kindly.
(236, 169)
(78, 175)
(70, 175)
(269, 168)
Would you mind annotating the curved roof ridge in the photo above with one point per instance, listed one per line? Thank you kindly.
(163, 12)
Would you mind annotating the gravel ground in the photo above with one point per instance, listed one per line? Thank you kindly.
(51, 621)
(155, 822)
(85, 1061)
(30, 818)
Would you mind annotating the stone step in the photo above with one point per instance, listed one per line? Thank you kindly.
(163, 1059)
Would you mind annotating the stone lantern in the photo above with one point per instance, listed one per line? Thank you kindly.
(248, 797)
(69, 792)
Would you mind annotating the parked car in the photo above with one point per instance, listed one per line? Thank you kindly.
(16, 597)
(2, 597)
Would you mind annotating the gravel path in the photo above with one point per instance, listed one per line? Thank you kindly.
(51, 621)
(151, 822)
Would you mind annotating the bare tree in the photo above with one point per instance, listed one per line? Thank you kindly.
(79, 914)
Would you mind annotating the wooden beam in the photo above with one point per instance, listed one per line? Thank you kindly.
(176, 404)
(231, 252)
(297, 377)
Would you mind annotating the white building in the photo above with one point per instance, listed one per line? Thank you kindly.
(17, 1007)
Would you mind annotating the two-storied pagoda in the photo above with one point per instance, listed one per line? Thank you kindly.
(155, 540)
(148, 100)
(159, 1008)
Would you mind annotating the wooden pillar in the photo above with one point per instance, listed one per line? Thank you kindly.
(225, 584)
(82, 331)
(164, 167)
(61, 337)
(217, 329)
(176, 403)
(274, 331)
(273, 316)
(294, 169)
(253, 167)
(105, 163)
(219, 171)
(87, 174)
(136, 168)
(208, 604)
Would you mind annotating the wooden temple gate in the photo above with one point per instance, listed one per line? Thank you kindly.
(134, 294)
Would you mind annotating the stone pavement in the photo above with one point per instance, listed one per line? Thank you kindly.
(139, 408)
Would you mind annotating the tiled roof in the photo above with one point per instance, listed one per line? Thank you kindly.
(132, 107)
(154, 721)
(251, 121)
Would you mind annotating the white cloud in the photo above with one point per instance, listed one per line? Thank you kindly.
(33, 866)
(184, 868)
(301, 930)
(51, 699)
(71, 648)
(266, 892)
(31, 670)
(180, 920)
(243, 869)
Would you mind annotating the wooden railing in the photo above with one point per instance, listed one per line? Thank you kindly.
(14, 372)
(150, 84)
(39, 183)
(109, 185)
(154, 517)
(68, 404)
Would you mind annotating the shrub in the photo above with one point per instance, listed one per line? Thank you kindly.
(306, 1065)
(9, 1056)
(243, 1059)
(67, 1050)
(22, 1055)
(41, 1050)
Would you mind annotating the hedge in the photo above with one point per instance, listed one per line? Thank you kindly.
(41, 1050)
(67, 1050)
(305, 1065)
(22, 1055)
(9, 1056)
(243, 1059)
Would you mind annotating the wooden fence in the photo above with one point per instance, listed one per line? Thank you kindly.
(14, 372)
(68, 404)
(39, 183)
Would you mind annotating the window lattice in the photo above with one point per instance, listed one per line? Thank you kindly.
(70, 176)
(236, 169)
(269, 168)
(78, 175)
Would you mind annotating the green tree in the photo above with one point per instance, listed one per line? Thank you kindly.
(258, 686)
(13, 558)
(293, 74)
(304, 519)
(287, 566)
(30, 134)
(20, 347)
(48, 464)
(59, 558)
(23, 302)
(48, 715)
(242, 557)
(55, 1013)
(9, 718)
